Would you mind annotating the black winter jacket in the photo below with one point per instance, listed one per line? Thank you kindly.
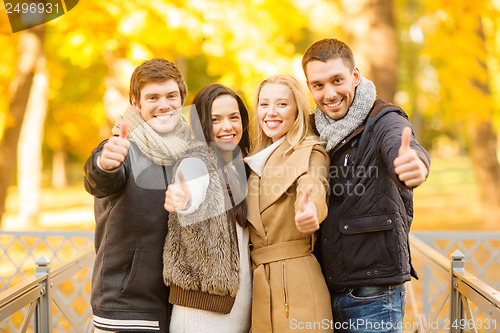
(128, 293)
(364, 239)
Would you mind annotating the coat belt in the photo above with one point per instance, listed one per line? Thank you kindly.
(281, 251)
(261, 314)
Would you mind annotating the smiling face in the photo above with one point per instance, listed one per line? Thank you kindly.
(276, 110)
(227, 126)
(160, 105)
(332, 85)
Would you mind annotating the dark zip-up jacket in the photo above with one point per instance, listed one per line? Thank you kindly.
(364, 239)
(128, 293)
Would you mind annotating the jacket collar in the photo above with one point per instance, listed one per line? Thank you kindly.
(258, 161)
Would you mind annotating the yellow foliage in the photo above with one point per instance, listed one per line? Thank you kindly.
(460, 55)
(239, 44)
(8, 41)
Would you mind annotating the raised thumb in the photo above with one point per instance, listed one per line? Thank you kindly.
(405, 140)
(305, 200)
(124, 130)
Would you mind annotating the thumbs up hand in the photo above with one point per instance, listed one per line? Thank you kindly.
(115, 150)
(177, 195)
(408, 166)
(306, 218)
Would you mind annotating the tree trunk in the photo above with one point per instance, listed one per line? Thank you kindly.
(372, 36)
(483, 149)
(484, 160)
(59, 177)
(29, 162)
(413, 70)
(30, 49)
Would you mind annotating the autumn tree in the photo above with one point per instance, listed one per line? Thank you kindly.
(29, 148)
(461, 44)
(30, 49)
(371, 33)
(237, 44)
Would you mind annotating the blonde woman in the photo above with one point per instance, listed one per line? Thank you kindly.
(286, 202)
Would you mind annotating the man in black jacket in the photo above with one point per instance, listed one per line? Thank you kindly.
(128, 175)
(375, 164)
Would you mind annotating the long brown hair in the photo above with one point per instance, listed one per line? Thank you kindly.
(201, 122)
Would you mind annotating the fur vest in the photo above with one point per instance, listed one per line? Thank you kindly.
(200, 257)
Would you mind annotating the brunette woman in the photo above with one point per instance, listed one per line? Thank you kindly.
(206, 261)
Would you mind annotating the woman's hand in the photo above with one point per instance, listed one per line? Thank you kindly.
(177, 195)
(306, 218)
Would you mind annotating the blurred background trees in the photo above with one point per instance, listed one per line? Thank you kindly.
(436, 58)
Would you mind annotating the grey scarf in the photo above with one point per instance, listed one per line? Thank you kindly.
(333, 131)
(164, 149)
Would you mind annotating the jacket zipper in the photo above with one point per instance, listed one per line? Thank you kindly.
(285, 291)
(165, 175)
(346, 158)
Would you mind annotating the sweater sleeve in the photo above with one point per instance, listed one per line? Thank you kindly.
(317, 176)
(101, 183)
(387, 132)
(196, 175)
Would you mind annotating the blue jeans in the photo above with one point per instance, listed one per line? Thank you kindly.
(369, 309)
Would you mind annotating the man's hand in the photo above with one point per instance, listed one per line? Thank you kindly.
(410, 169)
(115, 150)
(306, 218)
(177, 195)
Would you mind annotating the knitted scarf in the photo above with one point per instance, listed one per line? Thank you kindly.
(333, 131)
(161, 149)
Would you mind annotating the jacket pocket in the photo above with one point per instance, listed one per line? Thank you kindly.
(130, 275)
(370, 246)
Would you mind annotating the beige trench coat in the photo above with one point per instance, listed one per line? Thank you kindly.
(289, 290)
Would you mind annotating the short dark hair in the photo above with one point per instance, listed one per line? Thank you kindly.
(326, 49)
(155, 70)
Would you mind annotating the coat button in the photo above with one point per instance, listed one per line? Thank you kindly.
(389, 221)
(346, 227)
(368, 273)
(330, 278)
(325, 240)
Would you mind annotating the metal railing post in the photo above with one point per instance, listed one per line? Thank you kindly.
(44, 313)
(456, 310)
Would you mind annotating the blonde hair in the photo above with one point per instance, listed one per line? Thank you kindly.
(300, 134)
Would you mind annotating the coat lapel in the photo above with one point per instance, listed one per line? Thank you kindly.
(281, 172)
(253, 211)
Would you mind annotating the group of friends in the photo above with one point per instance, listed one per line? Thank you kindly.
(302, 228)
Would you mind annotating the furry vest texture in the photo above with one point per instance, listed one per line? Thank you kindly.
(200, 258)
